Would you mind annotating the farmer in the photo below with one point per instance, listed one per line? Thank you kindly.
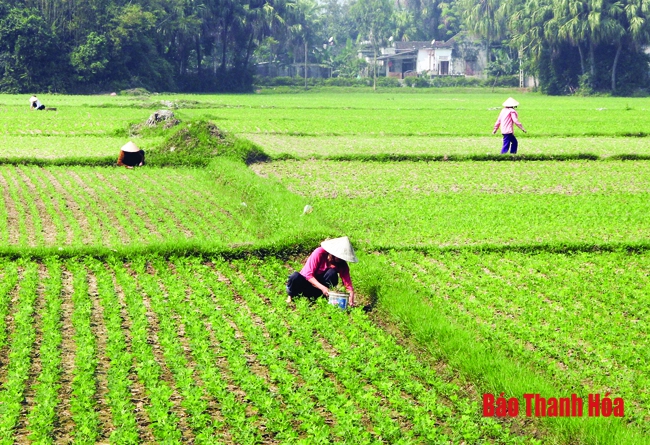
(35, 104)
(507, 117)
(320, 272)
(130, 156)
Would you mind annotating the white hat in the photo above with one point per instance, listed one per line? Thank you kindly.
(130, 147)
(510, 102)
(32, 99)
(340, 248)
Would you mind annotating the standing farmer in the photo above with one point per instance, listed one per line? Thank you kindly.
(506, 119)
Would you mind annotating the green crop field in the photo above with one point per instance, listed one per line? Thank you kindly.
(148, 305)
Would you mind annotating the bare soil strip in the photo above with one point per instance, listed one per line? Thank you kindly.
(55, 204)
(166, 374)
(101, 334)
(71, 204)
(138, 392)
(22, 430)
(47, 224)
(65, 425)
(12, 212)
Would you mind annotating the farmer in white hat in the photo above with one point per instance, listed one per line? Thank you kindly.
(35, 104)
(130, 156)
(506, 119)
(321, 271)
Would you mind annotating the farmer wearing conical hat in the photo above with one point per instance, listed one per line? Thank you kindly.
(506, 119)
(130, 156)
(321, 271)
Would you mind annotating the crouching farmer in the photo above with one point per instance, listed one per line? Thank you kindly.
(130, 156)
(322, 269)
(35, 104)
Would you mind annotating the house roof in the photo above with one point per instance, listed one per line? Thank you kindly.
(400, 46)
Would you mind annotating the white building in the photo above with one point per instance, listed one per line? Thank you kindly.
(456, 57)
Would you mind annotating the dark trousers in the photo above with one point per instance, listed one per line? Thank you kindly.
(509, 143)
(298, 285)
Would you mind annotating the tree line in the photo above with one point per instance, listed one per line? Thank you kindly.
(569, 46)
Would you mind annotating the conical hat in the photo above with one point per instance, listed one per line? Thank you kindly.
(130, 147)
(340, 248)
(510, 102)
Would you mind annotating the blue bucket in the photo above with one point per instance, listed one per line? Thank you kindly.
(339, 299)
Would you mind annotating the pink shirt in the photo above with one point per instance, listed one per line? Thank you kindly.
(317, 265)
(507, 117)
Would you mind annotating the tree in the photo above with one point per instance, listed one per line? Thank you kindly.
(374, 21)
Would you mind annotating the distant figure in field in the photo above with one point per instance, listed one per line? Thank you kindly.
(35, 104)
(322, 269)
(506, 119)
(130, 156)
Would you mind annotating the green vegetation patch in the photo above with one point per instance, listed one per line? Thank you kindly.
(456, 204)
(552, 323)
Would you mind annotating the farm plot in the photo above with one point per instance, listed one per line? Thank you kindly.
(111, 207)
(191, 352)
(442, 204)
(427, 114)
(580, 319)
(52, 147)
(69, 121)
(362, 145)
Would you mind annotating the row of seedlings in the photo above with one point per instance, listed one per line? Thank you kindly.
(7, 285)
(83, 405)
(19, 358)
(43, 416)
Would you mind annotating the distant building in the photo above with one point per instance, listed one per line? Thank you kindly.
(458, 56)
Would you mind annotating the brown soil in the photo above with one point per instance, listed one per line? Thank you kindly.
(29, 216)
(100, 334)
(73, 206)
(47, 224)
(12, 212)
(55, 205)
(64, 427)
